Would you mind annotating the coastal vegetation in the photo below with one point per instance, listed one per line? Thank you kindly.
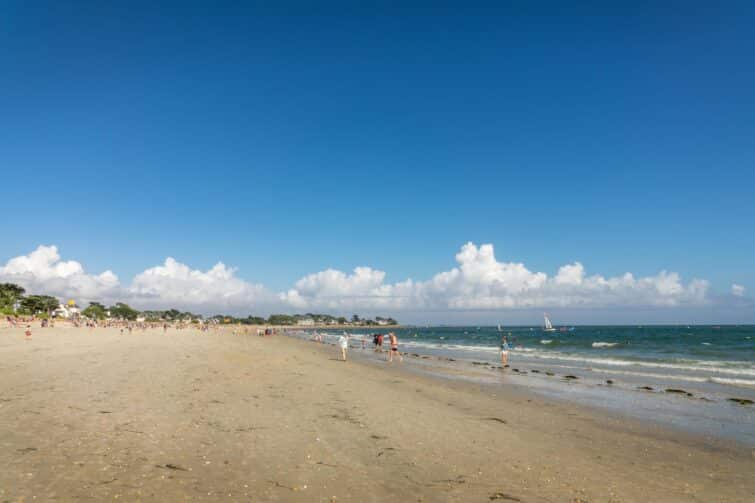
(13, 300)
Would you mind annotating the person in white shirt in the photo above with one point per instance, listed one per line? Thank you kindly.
(343, 341)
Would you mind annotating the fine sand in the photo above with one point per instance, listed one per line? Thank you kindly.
(95, 415)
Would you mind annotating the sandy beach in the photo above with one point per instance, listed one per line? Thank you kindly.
(93, 414)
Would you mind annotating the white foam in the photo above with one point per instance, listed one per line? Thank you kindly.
(700, 366)
(728, 368)
(604, 344)
(546, 341)
(734, 382)
(655, 376)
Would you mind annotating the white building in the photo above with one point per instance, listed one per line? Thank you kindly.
(306, 322)
(67, 311)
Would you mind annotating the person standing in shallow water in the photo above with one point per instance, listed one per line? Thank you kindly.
(505, 351)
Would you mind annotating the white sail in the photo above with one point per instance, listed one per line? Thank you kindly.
(499, 328)
(548, 324)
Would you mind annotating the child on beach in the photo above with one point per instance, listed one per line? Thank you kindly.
(343, 341)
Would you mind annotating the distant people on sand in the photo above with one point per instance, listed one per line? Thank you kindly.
(394, 348)
(343, 342)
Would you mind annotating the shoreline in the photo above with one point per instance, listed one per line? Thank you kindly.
(702, 404)
(97, 414)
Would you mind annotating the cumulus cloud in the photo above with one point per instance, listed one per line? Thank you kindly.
(42, 271)
(478, 281)
(171, 284)
(176, 284)
(364, 288)
(737, 290)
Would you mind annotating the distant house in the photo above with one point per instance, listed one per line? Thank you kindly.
(67, 311)
(382, 322)
(306, 322)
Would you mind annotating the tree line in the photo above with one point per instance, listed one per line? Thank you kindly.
(13, 300)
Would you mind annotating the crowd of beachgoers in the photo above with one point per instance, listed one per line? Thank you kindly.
(128, 326)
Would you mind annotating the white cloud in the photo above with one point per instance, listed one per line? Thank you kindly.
(363, 289)
(478, 282)
(42, 271)
(175, 284)
(172, 284)
(737, 290)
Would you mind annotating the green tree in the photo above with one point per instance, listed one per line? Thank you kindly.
(355, 318)
(9, 295)
(253, 320)
(123, 311)
(281, 319)
(36, 304)
(95, 310)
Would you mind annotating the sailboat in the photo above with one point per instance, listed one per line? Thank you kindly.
(499, 328)
(547, 325)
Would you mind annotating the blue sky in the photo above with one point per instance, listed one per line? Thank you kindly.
(287, 140)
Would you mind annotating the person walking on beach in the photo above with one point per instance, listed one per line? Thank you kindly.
(394, 348)
(379, 343)
(343, 341)
(505, 351)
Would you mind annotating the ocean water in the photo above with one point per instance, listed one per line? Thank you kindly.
(724, 354)
(685, 376)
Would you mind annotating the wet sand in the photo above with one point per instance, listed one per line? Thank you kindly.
(96, 415)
